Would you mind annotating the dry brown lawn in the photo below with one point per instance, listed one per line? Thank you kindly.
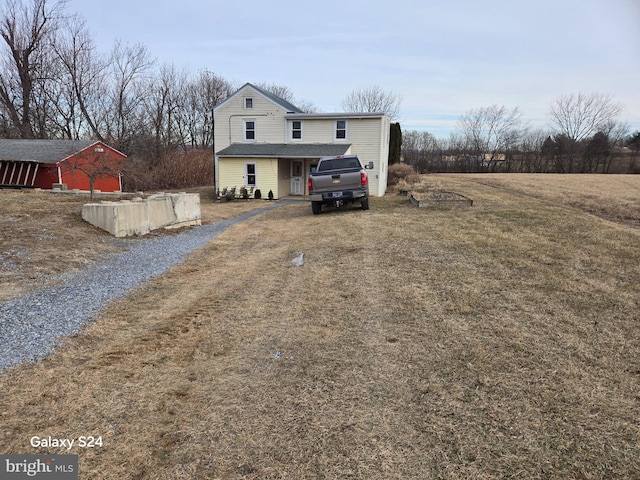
(614, 197)
(43, 236)
(498, 341)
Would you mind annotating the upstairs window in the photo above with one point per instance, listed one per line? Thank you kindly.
(250, 130)
(341, 130)
(248, 102)
(296, 130)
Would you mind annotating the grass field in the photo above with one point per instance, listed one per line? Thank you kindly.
(498, 341)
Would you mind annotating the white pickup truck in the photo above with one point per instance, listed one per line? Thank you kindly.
(339, 180)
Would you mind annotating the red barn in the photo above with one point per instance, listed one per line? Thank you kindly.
(74, 163)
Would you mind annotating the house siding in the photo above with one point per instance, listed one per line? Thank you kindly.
(232, 172)
(267, 115)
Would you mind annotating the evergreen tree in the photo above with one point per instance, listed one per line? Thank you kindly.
(395, 143)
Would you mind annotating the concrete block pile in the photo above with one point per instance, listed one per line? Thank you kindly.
(140, 216)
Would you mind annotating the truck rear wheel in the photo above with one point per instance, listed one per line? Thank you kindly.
(365, 203)
(316, 207)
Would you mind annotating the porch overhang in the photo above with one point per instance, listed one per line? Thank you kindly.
(283, 150)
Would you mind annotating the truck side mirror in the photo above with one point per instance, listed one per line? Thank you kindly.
(369, 166)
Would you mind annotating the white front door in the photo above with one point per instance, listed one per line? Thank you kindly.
(297, 178)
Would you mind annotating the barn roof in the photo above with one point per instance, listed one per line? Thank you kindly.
(41, 151)
(284, 150)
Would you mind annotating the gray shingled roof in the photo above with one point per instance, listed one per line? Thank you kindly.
(41, 151)
(284, 150)
(289, 107)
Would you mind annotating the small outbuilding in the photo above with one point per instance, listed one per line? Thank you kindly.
(67, 164)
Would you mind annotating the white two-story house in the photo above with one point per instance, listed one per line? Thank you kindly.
(264, 142)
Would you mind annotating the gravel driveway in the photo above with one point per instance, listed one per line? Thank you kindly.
(31, 325)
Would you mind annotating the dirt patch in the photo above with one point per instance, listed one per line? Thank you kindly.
(490, 342)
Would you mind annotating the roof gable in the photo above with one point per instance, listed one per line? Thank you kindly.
(280, 102)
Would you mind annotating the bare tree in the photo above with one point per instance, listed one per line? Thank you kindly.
(281, 91)
(26, 28)
(83, 73)
(213, 90)
(100, 164)
(42, 111)
(129, 66)
(160, 106)
(57, 115)
(616, 131)
(373, 99)
(420, 150)
(491, 131)
(530, 147)
(580, 116)
(197, 101)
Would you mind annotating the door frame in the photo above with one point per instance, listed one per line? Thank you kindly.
(300, 176)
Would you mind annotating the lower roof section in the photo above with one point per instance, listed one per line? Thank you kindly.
(284, 150)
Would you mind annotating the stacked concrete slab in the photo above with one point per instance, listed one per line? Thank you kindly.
(140, 216)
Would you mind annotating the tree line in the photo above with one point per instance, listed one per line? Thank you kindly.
(585, 135)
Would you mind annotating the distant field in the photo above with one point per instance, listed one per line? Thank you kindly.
(614, 197)
(498, 341)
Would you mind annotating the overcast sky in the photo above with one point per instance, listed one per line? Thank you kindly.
(443, 57)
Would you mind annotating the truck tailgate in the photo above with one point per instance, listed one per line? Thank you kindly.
(334, 181)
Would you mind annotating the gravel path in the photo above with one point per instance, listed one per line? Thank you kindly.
(31, 325)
